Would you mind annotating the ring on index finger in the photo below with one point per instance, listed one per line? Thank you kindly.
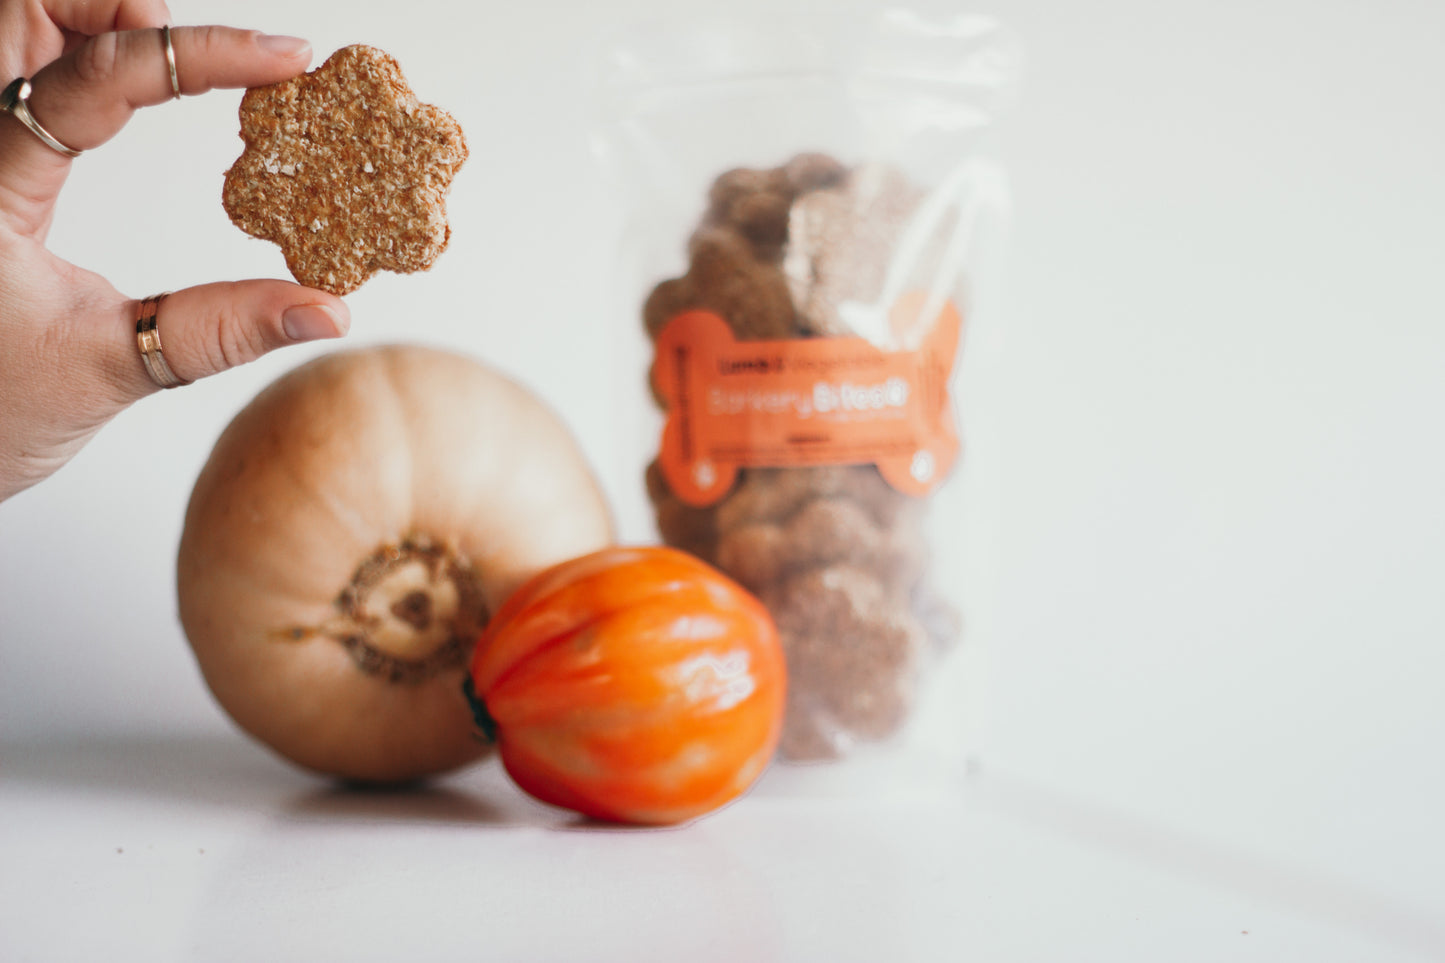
(170, 49)
(15, 101)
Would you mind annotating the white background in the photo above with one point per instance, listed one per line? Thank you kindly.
(1216, 591)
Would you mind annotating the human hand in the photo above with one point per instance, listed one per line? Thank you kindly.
(69, 357)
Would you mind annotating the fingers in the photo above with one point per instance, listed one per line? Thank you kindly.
(41, 30)
(215, 327)
(86, 96)
(89, 18)
(73, 361)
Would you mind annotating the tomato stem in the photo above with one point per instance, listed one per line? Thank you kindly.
(483, 718)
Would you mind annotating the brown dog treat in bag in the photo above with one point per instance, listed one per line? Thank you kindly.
(840, 241)
(823, 528)
(853, 658)
(725, 276)
(690, 528)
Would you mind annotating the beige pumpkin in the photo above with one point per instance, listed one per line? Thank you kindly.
(347, 539)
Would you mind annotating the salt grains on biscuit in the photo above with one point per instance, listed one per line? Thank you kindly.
(346, 170)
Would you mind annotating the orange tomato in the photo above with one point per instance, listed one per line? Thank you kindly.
(632, 685)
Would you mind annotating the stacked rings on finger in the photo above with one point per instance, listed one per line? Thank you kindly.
(15, 101)
(171, 61)
(148, 339)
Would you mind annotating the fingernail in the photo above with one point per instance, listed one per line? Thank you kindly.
(283, 45)
(308, 322)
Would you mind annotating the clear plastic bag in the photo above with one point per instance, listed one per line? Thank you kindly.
(810, 206)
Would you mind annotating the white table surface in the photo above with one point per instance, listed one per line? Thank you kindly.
(1214, 616)
(210, 850)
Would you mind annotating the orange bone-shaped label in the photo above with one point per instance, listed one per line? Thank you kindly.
(812, 401)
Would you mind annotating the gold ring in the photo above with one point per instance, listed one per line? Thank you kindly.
(15, 101)
(171, 61)
(148, 339)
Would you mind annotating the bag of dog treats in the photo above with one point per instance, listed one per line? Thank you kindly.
(810, 208)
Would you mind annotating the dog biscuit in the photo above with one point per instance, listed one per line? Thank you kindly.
(346, 170)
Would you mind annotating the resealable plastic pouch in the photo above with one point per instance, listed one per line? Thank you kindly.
(812, 214)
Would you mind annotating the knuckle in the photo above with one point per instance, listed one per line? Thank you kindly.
(211, 41)
(98, 59)
(234, 345)
(240, 339)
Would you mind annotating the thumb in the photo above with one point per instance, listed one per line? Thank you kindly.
(212, 328)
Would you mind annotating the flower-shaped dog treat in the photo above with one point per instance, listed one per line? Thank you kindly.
(346, 170)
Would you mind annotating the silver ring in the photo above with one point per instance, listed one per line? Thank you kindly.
(15, 101)
(171, 61)
(148, 339)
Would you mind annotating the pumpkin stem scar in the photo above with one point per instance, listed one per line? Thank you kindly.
(485, 723)
(415, 610)
(412, 611)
